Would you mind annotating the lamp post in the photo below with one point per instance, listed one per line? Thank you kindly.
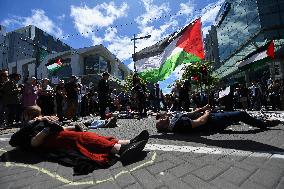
(134, 39)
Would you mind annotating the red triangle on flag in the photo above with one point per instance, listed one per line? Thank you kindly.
(59, 62)
(191, 39)
(270, 50)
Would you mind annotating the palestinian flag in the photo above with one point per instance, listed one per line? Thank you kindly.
(55, 66)
(157, 62)
(260, 55)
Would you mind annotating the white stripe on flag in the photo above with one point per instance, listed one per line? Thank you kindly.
(254, 58)
(158, 60)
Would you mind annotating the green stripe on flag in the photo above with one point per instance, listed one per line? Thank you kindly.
(159, 74)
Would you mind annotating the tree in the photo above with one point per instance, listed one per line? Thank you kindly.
(129, 82)
(200, 73)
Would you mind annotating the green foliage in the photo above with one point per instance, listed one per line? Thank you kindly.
(200, 73)
(129, 83)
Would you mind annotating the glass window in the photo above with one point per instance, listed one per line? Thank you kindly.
(91, 64)
(120, 74)
(104, 65)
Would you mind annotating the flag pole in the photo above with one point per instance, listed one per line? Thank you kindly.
(134, 47)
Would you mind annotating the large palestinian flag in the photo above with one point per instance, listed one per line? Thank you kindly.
(157, 62)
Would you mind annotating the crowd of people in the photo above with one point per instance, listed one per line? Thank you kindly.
(70, 99)
(47, 116)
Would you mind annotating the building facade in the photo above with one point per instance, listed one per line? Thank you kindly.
(86, 63)
(24, 48)
(243, 27)
(211, 48)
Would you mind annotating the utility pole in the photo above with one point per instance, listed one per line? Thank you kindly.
(134, 39)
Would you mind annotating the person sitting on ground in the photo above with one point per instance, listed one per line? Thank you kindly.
(43, 132)
(203, 119)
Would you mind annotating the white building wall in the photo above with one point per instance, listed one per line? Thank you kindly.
(75, 58)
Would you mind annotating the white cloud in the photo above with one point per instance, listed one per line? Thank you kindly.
(152, 11)
(186, 9)
(39, 19)
(61, 17)
(87, 19)
(110, 34)
(210, 12)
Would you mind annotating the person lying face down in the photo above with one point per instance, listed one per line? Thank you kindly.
(43, 132)
(203, 119)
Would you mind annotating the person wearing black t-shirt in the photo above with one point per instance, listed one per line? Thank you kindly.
(103, 94)
(60, 95)
(203, 120)
(72, 89)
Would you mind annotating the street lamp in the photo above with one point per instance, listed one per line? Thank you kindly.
(134, 39)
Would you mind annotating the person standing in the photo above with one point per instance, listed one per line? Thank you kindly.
(255, 96)
(3, 80)
(243, 92)
(274, 95)
(158, 97)
(139, 96)
(103, 94)
(46, 98)
(72, 89)
(11, 98)
(184, 95)
(60, 95)
(30, 93)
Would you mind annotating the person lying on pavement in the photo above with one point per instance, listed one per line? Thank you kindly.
(43, 132)
(202, 119)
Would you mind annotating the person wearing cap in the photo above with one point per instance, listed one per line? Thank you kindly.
(103, 94)
(72, 89)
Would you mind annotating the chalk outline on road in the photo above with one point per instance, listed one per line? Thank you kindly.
(69, 182)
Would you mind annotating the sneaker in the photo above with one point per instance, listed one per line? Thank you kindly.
(80, 127)
(130, 150)
(144, 135)
(111, 122)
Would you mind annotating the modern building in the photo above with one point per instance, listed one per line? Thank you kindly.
(243, 28)
(86, 63)
(23, 49)
(211, 48)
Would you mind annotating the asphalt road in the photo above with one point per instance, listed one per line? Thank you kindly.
(239, 157)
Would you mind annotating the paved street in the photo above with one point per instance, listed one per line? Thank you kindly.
(240, 157)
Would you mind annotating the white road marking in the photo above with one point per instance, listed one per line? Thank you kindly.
(4, 139)
(212, 150)
(206, 150)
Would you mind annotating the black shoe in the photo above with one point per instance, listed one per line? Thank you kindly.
(130, 150)
(111, 123)
(144, 135)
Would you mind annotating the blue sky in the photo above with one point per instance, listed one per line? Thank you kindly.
(64, 18)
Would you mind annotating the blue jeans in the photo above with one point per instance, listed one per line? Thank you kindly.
(220, 121)
(97, 124)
